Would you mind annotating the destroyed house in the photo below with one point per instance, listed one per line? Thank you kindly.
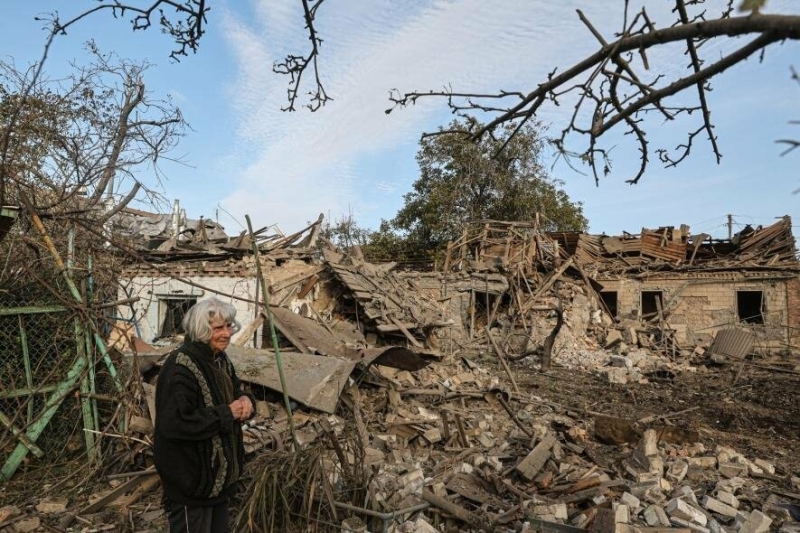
(182, 261)
(662, 285)
(686, 287)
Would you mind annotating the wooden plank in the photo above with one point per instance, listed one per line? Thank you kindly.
(289, 334)
(297, 278)
(604, 521)
(407, 333)
(552, 278)
(247, 334)
(149, 484)
(501, 355)
(455, 510)
(306, 288)
(535, 460)
(116, 493)
(591, 493)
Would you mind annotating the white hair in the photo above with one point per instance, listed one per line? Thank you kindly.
(197, 321)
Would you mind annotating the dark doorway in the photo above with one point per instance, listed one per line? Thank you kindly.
(610, 300)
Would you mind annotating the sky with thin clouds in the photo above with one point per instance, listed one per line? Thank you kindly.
(244, 155)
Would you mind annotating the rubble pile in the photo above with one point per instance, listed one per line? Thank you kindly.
(430, 401)
(450, 442)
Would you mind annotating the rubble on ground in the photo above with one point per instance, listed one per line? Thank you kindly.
(420, 422)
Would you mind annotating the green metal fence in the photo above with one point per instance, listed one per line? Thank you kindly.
(53, 370)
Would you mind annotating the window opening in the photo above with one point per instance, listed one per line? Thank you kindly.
(172, 312)
(750, 306)
(652, 303)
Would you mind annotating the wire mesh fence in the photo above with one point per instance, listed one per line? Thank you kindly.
(38, 345)
(60, 391)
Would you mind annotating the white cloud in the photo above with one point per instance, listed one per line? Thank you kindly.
(297, 164)
(292, 166)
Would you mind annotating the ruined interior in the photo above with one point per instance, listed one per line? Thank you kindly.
(534, 382)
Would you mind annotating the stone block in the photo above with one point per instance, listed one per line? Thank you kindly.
(651, 516)
(728, 498)
(412, 482)
(703, 462)
(613, 337)
(681, 510)
(716, 506)
(556, 510)
(656, 465)
(767, 467)
(689, 525)
(757, 522)
(631, 501)
(622, 513)
(732, 485)
(677, 470)
(731, 470)
(648, 444)
(686, 493)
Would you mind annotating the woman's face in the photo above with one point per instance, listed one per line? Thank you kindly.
(221, 332)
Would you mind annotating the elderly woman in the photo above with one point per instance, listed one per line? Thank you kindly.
(200, 405)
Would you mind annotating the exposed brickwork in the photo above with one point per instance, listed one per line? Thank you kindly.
(702, 304)
(793, 312)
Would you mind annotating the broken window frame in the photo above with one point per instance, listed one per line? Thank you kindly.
(654, 309)
(164, 304)
(747, 308)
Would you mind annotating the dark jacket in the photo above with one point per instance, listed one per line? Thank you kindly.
(198, 451)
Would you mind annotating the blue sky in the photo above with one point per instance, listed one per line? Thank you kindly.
(245, 156)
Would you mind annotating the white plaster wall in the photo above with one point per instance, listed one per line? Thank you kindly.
(145, 312)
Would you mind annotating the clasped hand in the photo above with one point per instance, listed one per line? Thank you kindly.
(242, 408)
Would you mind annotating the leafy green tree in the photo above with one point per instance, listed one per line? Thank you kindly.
(346, 233)
(463, 180)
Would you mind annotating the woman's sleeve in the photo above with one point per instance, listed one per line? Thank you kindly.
(238, 391)
(181, 416)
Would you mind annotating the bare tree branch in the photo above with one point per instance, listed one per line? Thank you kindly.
(614, 84)
(186, 30)
(295, 65)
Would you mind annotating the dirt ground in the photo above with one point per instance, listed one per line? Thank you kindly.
(759, 416)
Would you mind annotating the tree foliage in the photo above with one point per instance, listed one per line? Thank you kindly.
(82, 136)
(463, 180)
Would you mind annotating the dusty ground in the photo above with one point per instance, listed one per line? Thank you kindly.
(759, 416)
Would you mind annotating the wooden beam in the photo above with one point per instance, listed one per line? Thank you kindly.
(248, 332)
(407, 333)
(552, 278)
(116, 493)
(502, 357)
(297, 278)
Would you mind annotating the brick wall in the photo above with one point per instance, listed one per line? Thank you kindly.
(793, 312)
(700, 305)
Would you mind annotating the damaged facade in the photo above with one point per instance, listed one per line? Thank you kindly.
(663, 286)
